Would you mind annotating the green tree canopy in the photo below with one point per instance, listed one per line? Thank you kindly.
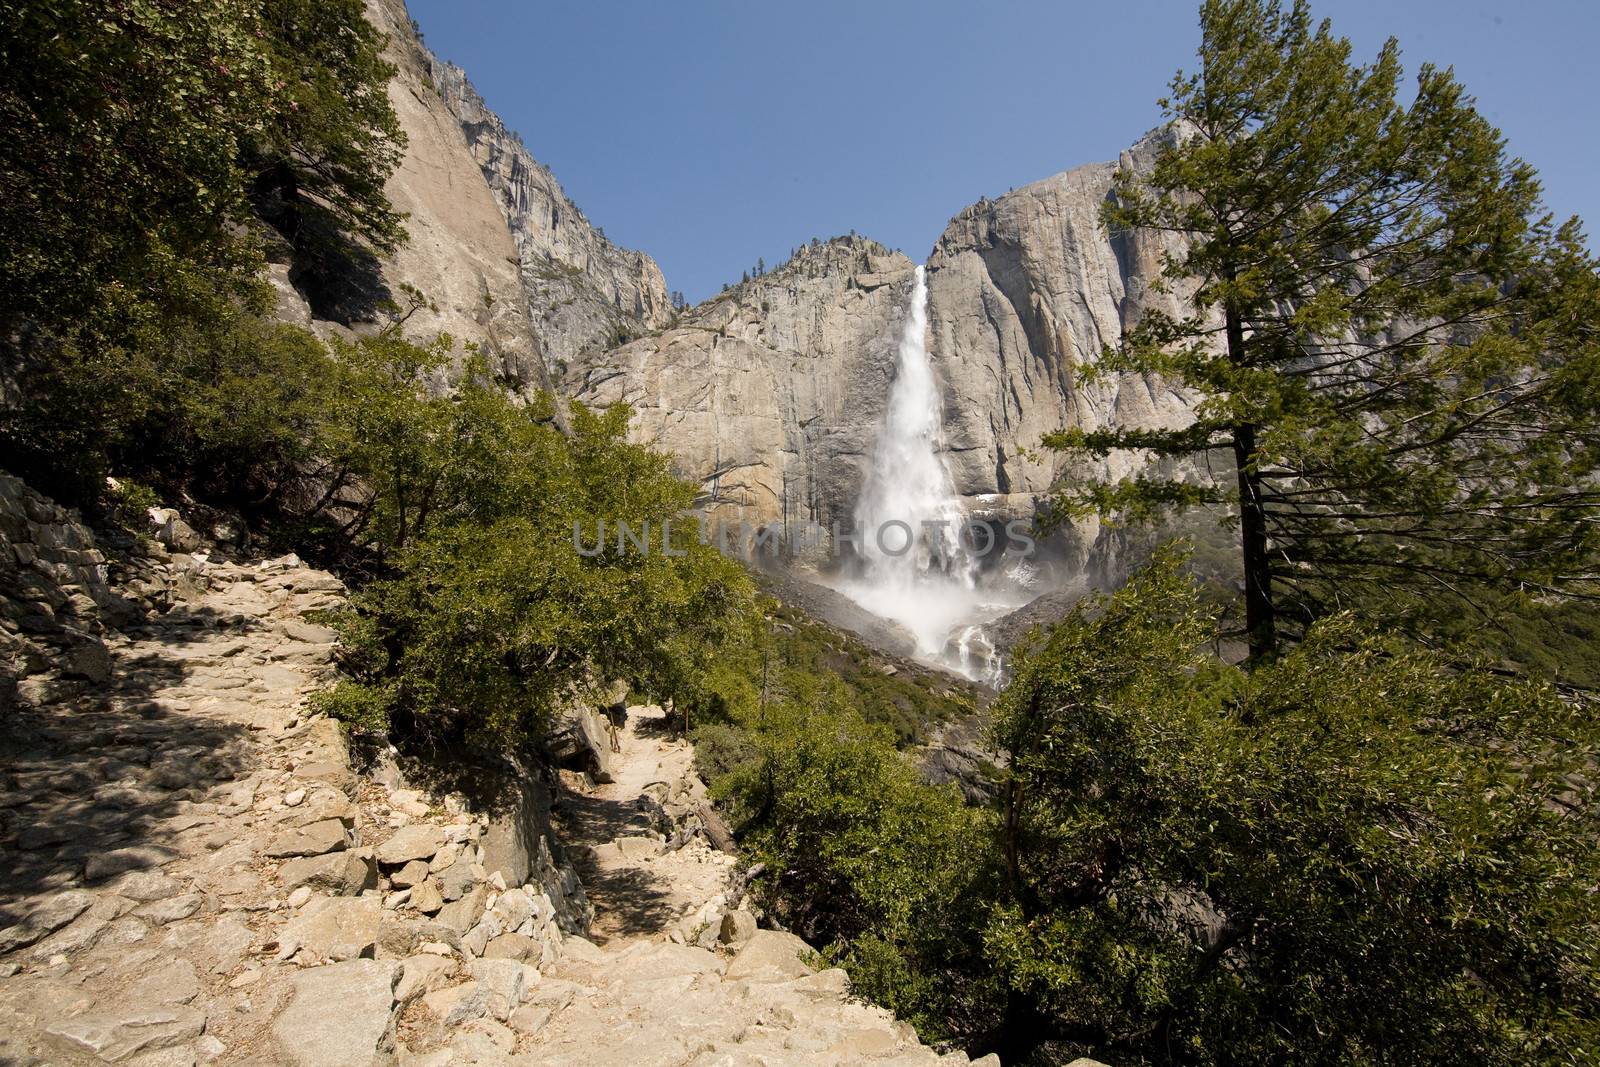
(1390, 339)
(1355, 854)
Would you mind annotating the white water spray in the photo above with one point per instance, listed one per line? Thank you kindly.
(917, 570)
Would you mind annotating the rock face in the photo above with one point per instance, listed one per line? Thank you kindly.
(1021, 290)
(583, 292)
(769, 395)
(460, 256)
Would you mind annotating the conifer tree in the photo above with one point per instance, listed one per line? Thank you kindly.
(1387, 334)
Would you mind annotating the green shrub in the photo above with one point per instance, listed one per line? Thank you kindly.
(1358, 853)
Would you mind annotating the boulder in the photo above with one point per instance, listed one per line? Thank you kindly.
(419, 841)
(426, 896)
(771, 956)
(512, 947)
(409, 876)
(314, 839)
(333, 928)
(462, 915)
(457, 1004)
(420, 975)
(737, 927)
(340, 874)
(580, 741)
(341, 1015)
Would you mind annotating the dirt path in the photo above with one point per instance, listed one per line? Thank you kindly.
(638, 887)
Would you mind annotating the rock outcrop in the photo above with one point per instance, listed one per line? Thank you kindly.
(1021, 290)
(460, 258)
(770, 394)
(584, 292)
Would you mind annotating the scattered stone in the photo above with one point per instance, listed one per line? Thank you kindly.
(410, 875)
(512, 947)
(333, 928)
(299, 896)
(173, 983)
(316, 839)
(119, 860)
(172, 909)
(426, 897)
(344, 873)
(505, 978)
(458, 880)
(146, 886)
(462, 915)
(456, 1004)
(47, 917)
(421, 974)
(293, 798)
(418, 841)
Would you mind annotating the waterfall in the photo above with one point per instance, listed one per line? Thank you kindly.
(916, 567)
(908, 493)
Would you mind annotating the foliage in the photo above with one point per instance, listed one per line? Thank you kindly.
(1388, 336)
(1354, 854)
(859, 854)
(132, 307)
(488, 617)
(331, 140)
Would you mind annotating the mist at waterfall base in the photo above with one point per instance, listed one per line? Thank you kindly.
(936, 587)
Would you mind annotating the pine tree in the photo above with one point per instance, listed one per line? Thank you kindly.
(1389, 338)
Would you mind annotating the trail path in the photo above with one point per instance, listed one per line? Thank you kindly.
(665, 988)
(191, 871)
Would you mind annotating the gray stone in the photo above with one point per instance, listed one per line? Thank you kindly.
(316, 839)
(426, 896)
(771, 956)
(49, 915)
(337, 873)
(458, 879)
(579, 286)
(737, 927)
(410, 875)
(419, 841)
(145, 886)
(457, 1004)
(341, 1015)
(421, 974)
(505, 978)
(512, 947)
(333, 928)
(123, 1032)
(462, 915)
(171, 909)
(175, 982)
(120, 860)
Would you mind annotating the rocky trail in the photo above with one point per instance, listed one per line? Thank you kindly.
(196, 873)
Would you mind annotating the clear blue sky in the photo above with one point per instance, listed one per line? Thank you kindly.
(711, 132)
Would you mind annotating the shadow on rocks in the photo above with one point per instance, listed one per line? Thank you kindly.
(101, 781)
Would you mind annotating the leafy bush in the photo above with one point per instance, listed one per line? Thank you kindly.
(1355, 854)
(489, 618)
(133, 141)
(861, 856)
